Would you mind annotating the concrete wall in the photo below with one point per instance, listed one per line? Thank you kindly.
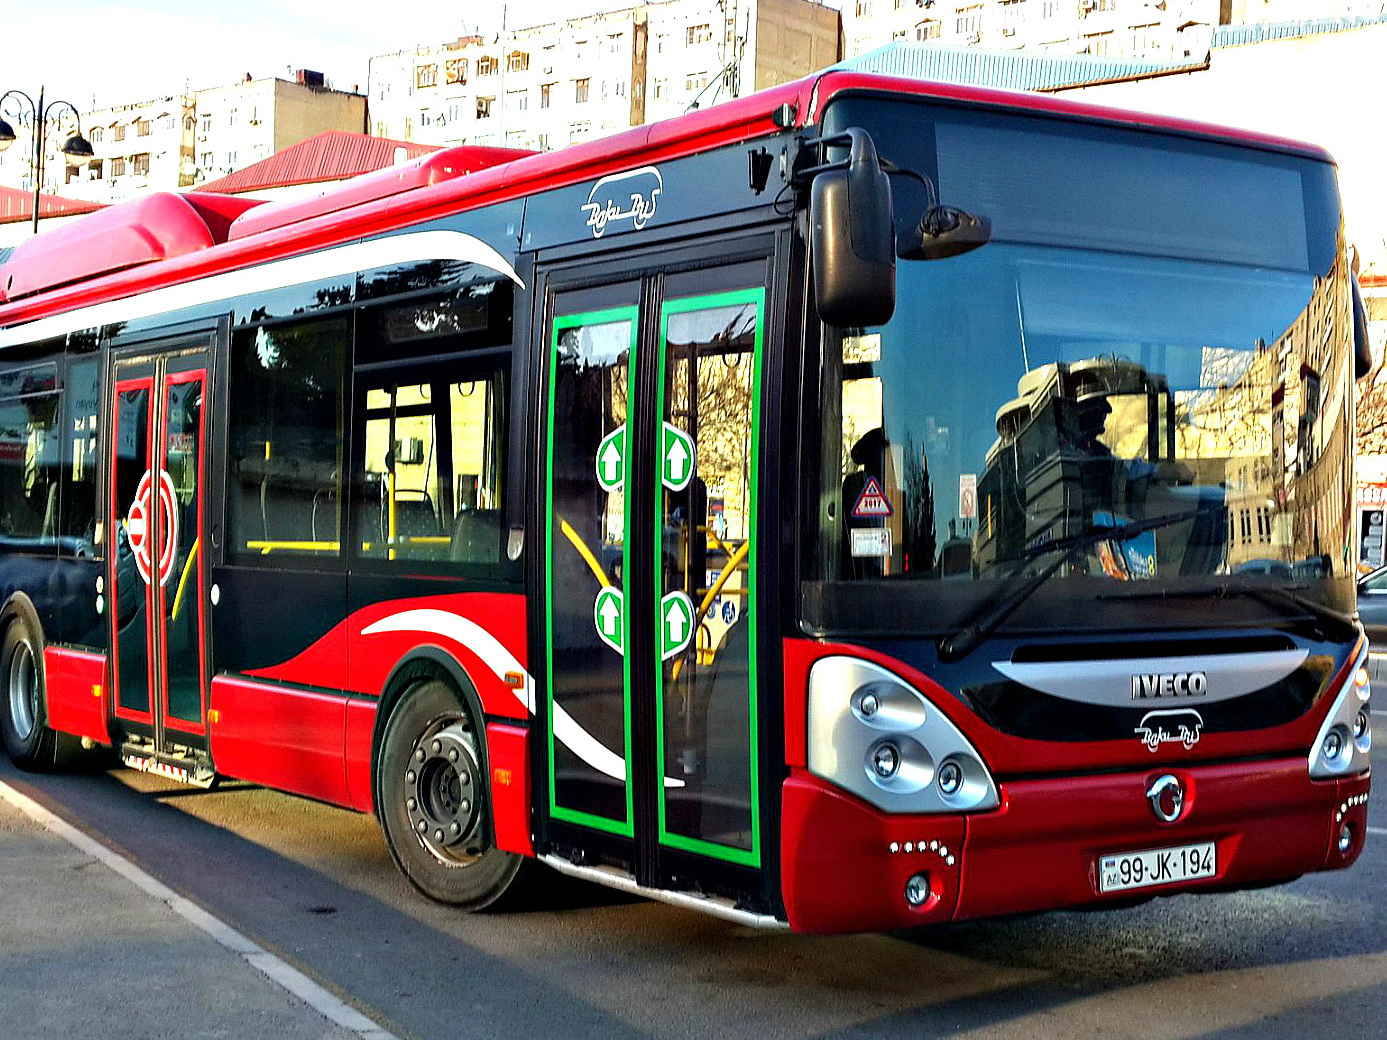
(793, 39)
(1322, 89)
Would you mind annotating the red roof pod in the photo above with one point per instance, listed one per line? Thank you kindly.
(433, 168)
(155, 227)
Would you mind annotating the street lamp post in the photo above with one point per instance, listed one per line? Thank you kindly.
(75, 145)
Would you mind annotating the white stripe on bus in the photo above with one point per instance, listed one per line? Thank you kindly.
(267, 277)
(499, 660)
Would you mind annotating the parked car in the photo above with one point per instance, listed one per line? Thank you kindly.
(1372, 608)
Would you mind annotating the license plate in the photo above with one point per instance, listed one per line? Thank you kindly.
(1123, 870)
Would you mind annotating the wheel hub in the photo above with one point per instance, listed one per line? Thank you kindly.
(23, 689)
(441, 786)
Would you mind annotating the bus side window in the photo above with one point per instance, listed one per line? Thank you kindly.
(432, 479)
(286, 406)
(29, 453)
(79, 463)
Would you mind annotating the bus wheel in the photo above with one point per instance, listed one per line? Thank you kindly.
(23, 718)
(433, 801)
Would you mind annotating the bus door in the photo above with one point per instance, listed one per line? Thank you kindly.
(156, 572)
(651, 757)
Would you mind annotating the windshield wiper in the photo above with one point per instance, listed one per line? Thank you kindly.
(960, 643)
(1266, 593)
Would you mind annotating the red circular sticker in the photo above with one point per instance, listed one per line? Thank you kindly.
(139, 520)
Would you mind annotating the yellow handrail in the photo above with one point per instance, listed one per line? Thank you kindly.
(183, 580)
(576, 540)
(716, 590)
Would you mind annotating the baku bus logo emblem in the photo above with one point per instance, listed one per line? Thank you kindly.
(139, 526)
(621, 197)
(1173, 726)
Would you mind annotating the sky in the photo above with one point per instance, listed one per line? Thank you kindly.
(136, 50)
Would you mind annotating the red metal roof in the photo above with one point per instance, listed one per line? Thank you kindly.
(17, 205)
(333, 155)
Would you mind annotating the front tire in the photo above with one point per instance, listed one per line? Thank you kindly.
(23, 702)
(434, 802)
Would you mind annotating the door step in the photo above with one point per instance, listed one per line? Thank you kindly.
(613, 877)
(187, 768)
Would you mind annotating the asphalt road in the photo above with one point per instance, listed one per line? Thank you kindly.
(316, 886)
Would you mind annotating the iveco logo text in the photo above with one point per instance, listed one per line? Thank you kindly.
(1179, 684)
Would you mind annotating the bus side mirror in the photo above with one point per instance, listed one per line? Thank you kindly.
(853, 238)
(1362, 349)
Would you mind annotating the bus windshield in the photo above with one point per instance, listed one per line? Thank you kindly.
(1155, 338)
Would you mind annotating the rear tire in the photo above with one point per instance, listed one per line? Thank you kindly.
(434, 802)
(24, 703)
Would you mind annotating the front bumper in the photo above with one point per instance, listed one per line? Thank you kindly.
(845, 864)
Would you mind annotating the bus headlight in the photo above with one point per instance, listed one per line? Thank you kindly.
(1343, 744)
(876, 736)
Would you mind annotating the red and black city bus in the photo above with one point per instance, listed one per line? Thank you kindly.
(863, 504)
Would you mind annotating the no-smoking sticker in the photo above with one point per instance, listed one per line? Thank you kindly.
(968, 496)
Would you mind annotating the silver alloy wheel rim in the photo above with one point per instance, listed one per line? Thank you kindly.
(442, 781)
(23, 691)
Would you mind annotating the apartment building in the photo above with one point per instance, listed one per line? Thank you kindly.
(1160, 30)
(180, 141)
(550, 85)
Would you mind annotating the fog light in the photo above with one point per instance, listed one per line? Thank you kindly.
(1333, 745)
(1360, 725)
(950, 777)
(1345, 843)
(870, 705)
(917, 890)
(886, 760)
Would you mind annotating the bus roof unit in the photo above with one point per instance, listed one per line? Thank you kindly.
(155, 227)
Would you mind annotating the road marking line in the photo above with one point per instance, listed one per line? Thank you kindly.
(1377, 830)
(276, 970)
(1378, 712)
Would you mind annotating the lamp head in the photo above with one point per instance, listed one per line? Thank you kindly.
(77, 147)
(6, 135)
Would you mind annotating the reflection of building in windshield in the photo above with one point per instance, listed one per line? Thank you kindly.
(1263, 416)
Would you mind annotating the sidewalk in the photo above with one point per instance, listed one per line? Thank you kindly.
(89, 954)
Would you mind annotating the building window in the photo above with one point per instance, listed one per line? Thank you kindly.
(96, 135)
(119, 132)
(1100, 43)
(696, 34)
(74, 173)
(484, 107)
(426, 76)
(140, 163)
(929, 29)
(620, 88)
(455, 70)
(614, 43)
(518, 100)
(118, 167)
(864, 8)
(189, 124)
(545, 94)
(542, 142)
(142, 128)
(580, 90)
(231, 118)
(488, 66)
(695, 81)
(517, 61)
(969, 21)
(94, 170)
(206, 123)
